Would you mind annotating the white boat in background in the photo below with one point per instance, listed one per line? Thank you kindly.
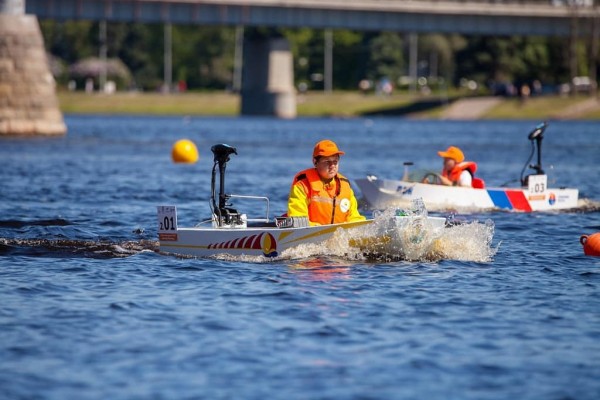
(384, 193)
(533, 194)
(230, 233)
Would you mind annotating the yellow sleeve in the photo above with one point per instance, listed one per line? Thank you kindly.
(297, 202)
(353, 214)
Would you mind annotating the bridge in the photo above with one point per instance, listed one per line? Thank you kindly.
(488, 17)
(267, 76)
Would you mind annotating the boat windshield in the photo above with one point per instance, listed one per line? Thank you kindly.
(421, 175)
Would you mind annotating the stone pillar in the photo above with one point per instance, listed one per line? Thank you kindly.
(28, 102)
(268, 78)
(13, 7)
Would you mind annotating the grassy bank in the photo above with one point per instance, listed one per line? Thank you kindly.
(149, 103)
(218, 103)
(554, 107)
(319, 104)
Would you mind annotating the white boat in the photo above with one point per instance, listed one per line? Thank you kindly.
(533, 194)
(229, 232)
(270, 240)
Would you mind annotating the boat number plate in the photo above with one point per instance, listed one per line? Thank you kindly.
(167, 223)
(537, 187)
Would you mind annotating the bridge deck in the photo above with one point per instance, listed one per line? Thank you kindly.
(497, 17)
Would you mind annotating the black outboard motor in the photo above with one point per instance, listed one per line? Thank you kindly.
(536, 136)
(224, 213)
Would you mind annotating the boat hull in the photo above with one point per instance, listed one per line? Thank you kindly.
(384, 193)
(265, 242)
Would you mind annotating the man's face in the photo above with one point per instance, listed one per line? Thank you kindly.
(449, 163)
(328, 166)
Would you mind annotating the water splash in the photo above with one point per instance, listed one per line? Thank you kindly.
(416, 238)
(465, 242)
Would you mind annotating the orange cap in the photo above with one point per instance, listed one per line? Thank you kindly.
(326, 148)
(454, 153)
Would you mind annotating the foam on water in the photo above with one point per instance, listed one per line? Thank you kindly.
(465, 242)
(417, 239)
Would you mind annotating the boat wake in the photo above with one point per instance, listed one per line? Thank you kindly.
(61, 238)
(584, 206)
(75, 248)
(587, 206)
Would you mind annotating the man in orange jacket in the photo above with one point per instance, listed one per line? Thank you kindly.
(457, 171)
(321, 193)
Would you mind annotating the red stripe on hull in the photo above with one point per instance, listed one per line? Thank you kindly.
(518, 200)
(256, 244)
(248, 242)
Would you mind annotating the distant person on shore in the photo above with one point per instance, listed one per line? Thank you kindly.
(321, 193)
(456, 171)
(525, 92)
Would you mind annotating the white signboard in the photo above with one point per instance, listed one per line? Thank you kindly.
(537, 187)
(167, 223)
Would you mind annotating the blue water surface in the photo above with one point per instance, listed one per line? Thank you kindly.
(90, 309)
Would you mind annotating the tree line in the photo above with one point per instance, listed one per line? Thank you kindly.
(203, 56)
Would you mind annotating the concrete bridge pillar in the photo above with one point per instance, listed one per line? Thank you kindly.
(268, 78)
(28, 102)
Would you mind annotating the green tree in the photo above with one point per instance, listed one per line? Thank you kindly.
(439, 51)
(386, 57)
(203, 57)
(348, 59)
(300, 45)
(70, 41)
(140, 47)
(308, 50)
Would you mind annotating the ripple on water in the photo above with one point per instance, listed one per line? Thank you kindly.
(91, 309)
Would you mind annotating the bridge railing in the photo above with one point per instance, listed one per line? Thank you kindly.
(325, 3)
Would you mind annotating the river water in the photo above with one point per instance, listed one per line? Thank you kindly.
(90, 309)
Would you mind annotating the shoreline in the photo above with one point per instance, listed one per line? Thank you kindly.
(336, 104)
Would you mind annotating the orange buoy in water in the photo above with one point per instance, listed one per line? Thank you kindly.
(591, 244)
(184, 151)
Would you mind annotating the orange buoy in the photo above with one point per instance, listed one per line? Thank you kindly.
(591, 244)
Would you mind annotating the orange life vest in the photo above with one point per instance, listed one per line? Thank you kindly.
(454, 174)
(325, 206)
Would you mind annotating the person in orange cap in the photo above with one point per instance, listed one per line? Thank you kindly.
(321, 193)
(456, 171)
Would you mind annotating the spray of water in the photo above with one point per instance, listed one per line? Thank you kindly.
(412, 238)
(466, 242)
(587, 206)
